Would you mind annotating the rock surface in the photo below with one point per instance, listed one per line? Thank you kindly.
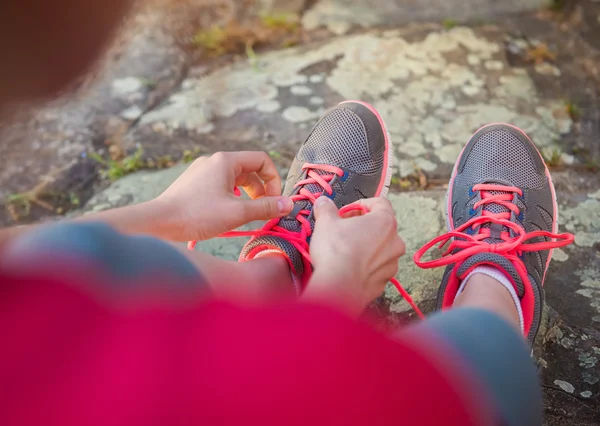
(433, 85)
(283, 6)
(434, 89)
(58, 135)
(336, 14)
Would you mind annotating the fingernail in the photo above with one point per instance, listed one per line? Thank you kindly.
(322, 200)
(285, 205)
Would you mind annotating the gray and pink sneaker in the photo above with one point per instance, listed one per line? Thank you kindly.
(501, 213)
(346, 157)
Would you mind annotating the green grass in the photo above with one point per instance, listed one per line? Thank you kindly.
(190, 155)
(148, 82)
(274, 155)
(573, 110)
(286, 21)
(449, 23)
(252, 56)
(164, 162)
(553, 157)
(211, 39)
(21, 202)
(116, 169)
(403, 183)
(74, 199)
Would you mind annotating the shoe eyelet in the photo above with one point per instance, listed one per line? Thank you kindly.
(520, 217)
(345, 176)
(471, 192)
(472, 212)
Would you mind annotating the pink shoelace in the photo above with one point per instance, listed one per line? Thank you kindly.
(300, 239)
(468, 245)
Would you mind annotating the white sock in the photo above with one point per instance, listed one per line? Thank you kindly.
(499, 276)
(295, 280)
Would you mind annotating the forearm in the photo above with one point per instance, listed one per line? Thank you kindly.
(258, 281)
(71, 249)
(149, 218)
(146, 218)
(329, 288)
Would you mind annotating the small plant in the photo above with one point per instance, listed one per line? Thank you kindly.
(19, 205)
(116, 169)
(252, 56)
(402, 183)
(274, 155)
(164, 162)
(449, 23)
(573, 110)
(553, 156)
(211, 39)
(97, 158)
(405, 183)
(239, 38)
(74, 199)
(148, 82)
(190, 155)
(540, 54)
(286, 21)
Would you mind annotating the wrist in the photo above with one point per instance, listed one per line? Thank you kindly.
(333, 277)
(338, 287)
(163, 219)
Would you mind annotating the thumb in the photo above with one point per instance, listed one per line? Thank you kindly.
(266, 208)
(325, 208)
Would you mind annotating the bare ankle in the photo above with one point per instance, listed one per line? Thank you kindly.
(268, 276)
(484, 292)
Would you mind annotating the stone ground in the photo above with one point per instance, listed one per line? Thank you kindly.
(433, 84)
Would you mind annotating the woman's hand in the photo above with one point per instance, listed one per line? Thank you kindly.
(354, 257)
(201, 203)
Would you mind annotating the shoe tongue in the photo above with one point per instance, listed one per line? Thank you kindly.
(290, 222)
(294, 225)
(495, 209)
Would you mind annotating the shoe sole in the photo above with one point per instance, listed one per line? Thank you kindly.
(386, 178)
(449, 219)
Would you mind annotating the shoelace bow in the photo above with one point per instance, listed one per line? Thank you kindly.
(300, 239)
(465, 245)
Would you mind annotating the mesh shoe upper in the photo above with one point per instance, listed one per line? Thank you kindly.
(351, 139)
(501, 212)
(504, 155)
